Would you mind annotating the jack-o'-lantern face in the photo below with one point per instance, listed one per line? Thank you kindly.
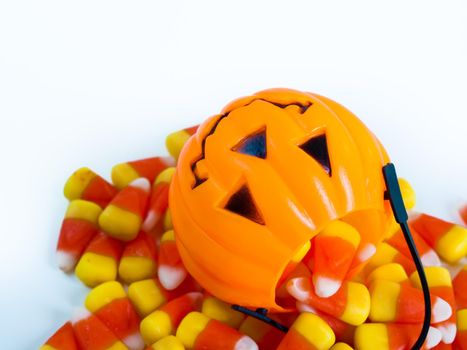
(258, 181)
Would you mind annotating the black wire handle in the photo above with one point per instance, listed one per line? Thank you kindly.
(261, 314)
(393, 194)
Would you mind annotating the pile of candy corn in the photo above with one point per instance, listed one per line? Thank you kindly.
(119, 240)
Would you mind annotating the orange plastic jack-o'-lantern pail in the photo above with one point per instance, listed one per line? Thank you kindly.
(258, 181)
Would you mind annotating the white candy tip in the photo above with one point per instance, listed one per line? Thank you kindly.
(65, 261)
(441, 310)
(302, 307)
(430, 258)
(171, 277)
(448, 332)
(296, 288)
(433, 338)
(142, 183)
(367, 252)
(195, 295)
(150, 221)
(245, 343)
(168, 161)
(80, 313)
(134, 341)
(326, 287)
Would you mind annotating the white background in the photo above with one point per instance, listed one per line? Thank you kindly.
(100, 82)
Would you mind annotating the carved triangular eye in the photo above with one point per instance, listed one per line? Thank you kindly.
(242, 203)
(317, 148)
(253, 145)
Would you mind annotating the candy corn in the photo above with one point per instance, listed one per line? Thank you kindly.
(110, 304)
(99, 261)
(386, 254)
(350, 304)
(124, 173)
(440, 284)
(388, 272)
(408, 193)
(159, 200)
(342, 330)
(86, 184)
(138, 260)
(364, 253)
(63, 339)
(334, 250)
(171, 270)
(92, 334)
(165, 320)
(167, 343)
(199, 332)
(459, 285)
(300, 270)
(427, 255)
(167, 221)
(147, 296)
(78, 228)
(461, 338)
(221, 311)
(266, 336)
(449, 240)
(308, 331)
(122, 218)
(176, 140)
(390, 336)
(394, 302)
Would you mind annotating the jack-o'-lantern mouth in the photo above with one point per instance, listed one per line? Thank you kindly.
(336, 253)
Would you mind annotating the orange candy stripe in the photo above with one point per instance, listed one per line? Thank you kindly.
(459, 285)
(296, 341)
(402, 335)
(333, 257)
(398, 242)
(92, 334)
(103, 244)
(120, 317)
(178, 308)
(217, 336)
(410, 305)
(143, 245)
(191, 130)
(160, 197)
(75, 234)
(132, 199)
(64, 338)
(430, 228)
(158, 204)
(150, 167)
(407, 264)
(334, 305)
(99, 191)
(168, 254)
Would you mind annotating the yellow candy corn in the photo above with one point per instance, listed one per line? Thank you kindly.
(103, 295)
(168, 343)
(221, 311)
(308, 331)
(146, 296)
